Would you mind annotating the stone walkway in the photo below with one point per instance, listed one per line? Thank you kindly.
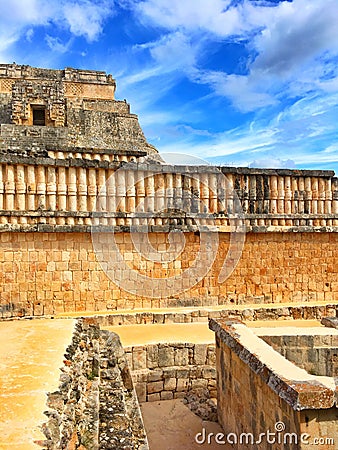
(31, 353)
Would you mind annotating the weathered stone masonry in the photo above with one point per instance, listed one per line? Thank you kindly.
(258, 385)
(59, 179)
(50, 273)
(96, 406)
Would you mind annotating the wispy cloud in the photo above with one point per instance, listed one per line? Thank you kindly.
(244, 94)
(79, 17)
(56, 45)
(85, 18)
(240, 80)
(291, 46)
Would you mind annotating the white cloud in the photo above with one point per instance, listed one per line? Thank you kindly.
(294, 34)
(81, 17)
(333, 148)
(244, 94)
(174, 51)
(231, 143)
(319, 158)
(273, 163)
(56, 45)
(29, 35)
(287, 41)
(85, 18)
(217, 16)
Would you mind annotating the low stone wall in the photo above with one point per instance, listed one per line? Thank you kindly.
(95, 406)
(167, 371)
(252, 313)
(317, 354)
(277, 402)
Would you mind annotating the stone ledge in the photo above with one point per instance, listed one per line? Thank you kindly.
(294, 385)
(39, 223)
(195, 315)
(100, 151)
(46, 161)
(278, 172)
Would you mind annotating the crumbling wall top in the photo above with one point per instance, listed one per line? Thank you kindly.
(68, 74)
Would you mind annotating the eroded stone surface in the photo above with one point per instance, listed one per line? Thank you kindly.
(266, 391)
(95, 406)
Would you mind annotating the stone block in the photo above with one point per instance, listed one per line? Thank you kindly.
(129, 358)
(199, 383)
(182, 373)
(212, 384)
(158, 318)
(181, 357)
(213, 393)
(170, 384)
(321, 341)
(154, 397)
(166, 356)
(139, 358)
(167, 395)
(169, 372)
(182, 384)
(156, 386)
(209, 372)
(312, 356)
(140, 376)
(200, 354)
(179, 394)
(155, 375)
(152, 356)
(141, 391)
(195, 372)
(211, 356)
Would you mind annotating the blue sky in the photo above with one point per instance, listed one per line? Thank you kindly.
(236, 82)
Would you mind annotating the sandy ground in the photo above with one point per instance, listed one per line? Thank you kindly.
(31, 353)
(196, 333)
(170, 425)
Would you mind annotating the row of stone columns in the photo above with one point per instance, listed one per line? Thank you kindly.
(81, 189)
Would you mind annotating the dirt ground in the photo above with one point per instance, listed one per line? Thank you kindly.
(170, 425)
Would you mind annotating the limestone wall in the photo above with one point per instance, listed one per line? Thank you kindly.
(91, 170)
(50, 273)
(269, 394)
(246, 396)
(317, 354)
(167, 371)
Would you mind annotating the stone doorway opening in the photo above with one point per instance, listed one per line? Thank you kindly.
(39, 115)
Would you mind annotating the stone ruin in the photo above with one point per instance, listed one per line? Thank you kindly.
(73, 160)
(70, 162)
(278, 380)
